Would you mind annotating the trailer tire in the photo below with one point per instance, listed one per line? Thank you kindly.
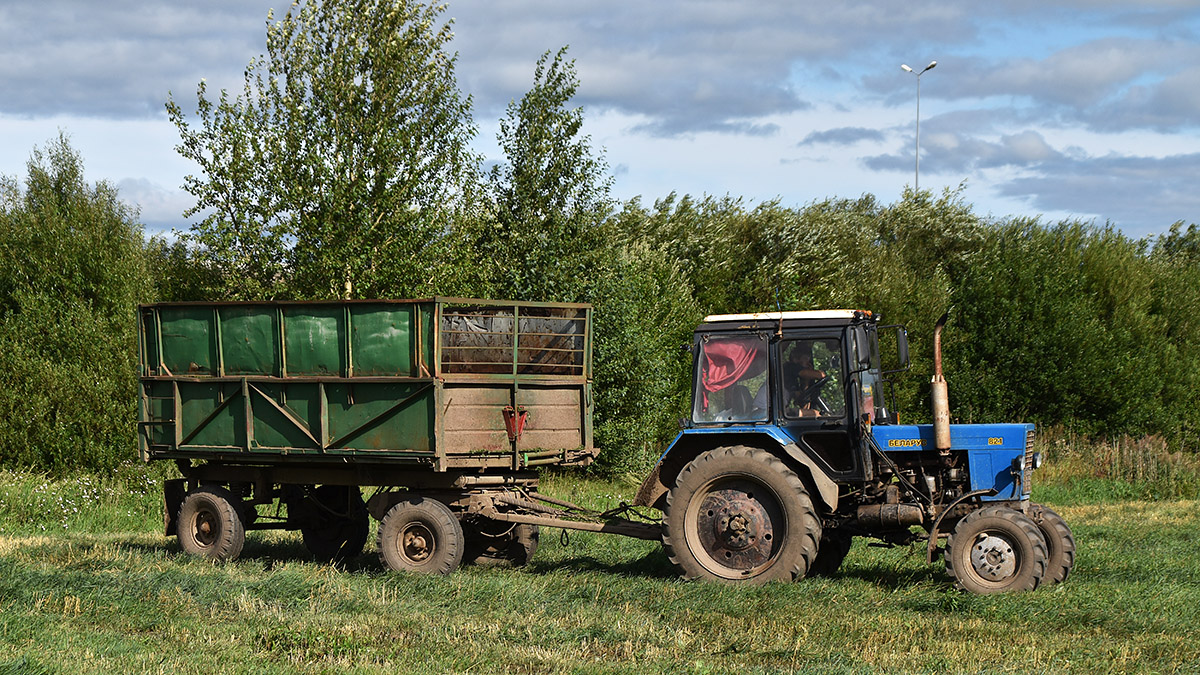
(421, 535)
(1060, 543)
(833, 550)
(210, 525)
(995, 550)
(495, 543)
(739, 514)
(334, 523)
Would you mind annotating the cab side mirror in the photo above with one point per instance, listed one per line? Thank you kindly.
(901, 348)
(862, 349)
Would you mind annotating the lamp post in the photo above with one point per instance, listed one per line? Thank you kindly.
(917, 170)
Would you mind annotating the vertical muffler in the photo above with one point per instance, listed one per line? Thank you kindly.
(938, 392)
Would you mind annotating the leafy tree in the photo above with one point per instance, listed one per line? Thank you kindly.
(339, 168)
(542, 239)
(1178, 244)
(74, 270)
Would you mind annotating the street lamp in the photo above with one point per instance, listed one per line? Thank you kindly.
(917, 171)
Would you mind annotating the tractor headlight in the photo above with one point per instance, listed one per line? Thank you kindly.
(1037, 460)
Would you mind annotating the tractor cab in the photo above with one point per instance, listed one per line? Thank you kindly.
(812, 376)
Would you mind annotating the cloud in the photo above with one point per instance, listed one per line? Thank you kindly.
(1108, 84)
(161, 210)
(686, 66)
(952, 152)
(1139, 194)
(842, 136)
(119, 59)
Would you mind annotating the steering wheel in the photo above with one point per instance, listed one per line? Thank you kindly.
(814, 387)
(811, 394)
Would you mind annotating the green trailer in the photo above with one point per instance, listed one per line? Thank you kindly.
(446, 406)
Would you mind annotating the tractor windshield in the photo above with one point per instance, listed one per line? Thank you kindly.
(731, 384)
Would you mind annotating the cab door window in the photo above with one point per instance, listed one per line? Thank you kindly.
(813, 380)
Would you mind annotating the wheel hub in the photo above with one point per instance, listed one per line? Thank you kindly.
(417, 544)
(993, 557)
(205, 528)
(735, 528)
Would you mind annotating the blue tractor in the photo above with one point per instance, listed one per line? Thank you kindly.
(791, 451)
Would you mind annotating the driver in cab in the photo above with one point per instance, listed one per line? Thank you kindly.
(800, 380)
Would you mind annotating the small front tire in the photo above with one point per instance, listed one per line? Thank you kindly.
(1060, 543)
(834, 548)
(421, 535)
(494, 543)
(209, 524)
(995, 550)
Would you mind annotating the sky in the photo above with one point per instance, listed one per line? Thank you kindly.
(1085, 109)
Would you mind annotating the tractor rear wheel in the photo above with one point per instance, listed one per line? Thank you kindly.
(739, 514)
(996, 549)
(834, 547)
(1060, 543)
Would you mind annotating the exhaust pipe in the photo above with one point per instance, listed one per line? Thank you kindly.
(938, 392)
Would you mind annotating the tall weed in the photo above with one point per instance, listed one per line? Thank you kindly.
(1122, 468)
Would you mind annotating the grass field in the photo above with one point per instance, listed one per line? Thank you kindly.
(89, 584)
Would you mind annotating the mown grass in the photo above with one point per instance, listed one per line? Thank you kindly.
(99, 589)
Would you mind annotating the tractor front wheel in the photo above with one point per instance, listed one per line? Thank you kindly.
(996, 549)
(1060, 543)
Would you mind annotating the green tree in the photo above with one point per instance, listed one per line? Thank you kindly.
(338, 170)
(542, 240)
(74, 268)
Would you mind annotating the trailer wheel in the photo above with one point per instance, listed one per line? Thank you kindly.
(996, 549)
(209, 524)
(1060, 543)
(334, 523)
(833, 550)
(740, 514)
(495, 543)
(421, 535)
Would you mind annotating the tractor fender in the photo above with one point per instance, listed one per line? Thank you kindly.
(827, 490)
(687, 447)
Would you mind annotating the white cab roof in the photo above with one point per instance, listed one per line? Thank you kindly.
(776, 316)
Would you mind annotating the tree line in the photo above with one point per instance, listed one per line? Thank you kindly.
(343, 169)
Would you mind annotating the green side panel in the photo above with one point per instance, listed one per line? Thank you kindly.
(429, 333)
(382, 339)
(160, 407)
(248, 340)
(273, 429)
(366, 406)
(149, 332)
(314, 341)
(199, 400)
(187, 340)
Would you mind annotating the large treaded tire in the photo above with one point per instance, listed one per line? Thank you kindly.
(834, 547)
(334, 523)
(996, 550)
(210, 525)
(421, 535)
(1060, 543)
(739, 514)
